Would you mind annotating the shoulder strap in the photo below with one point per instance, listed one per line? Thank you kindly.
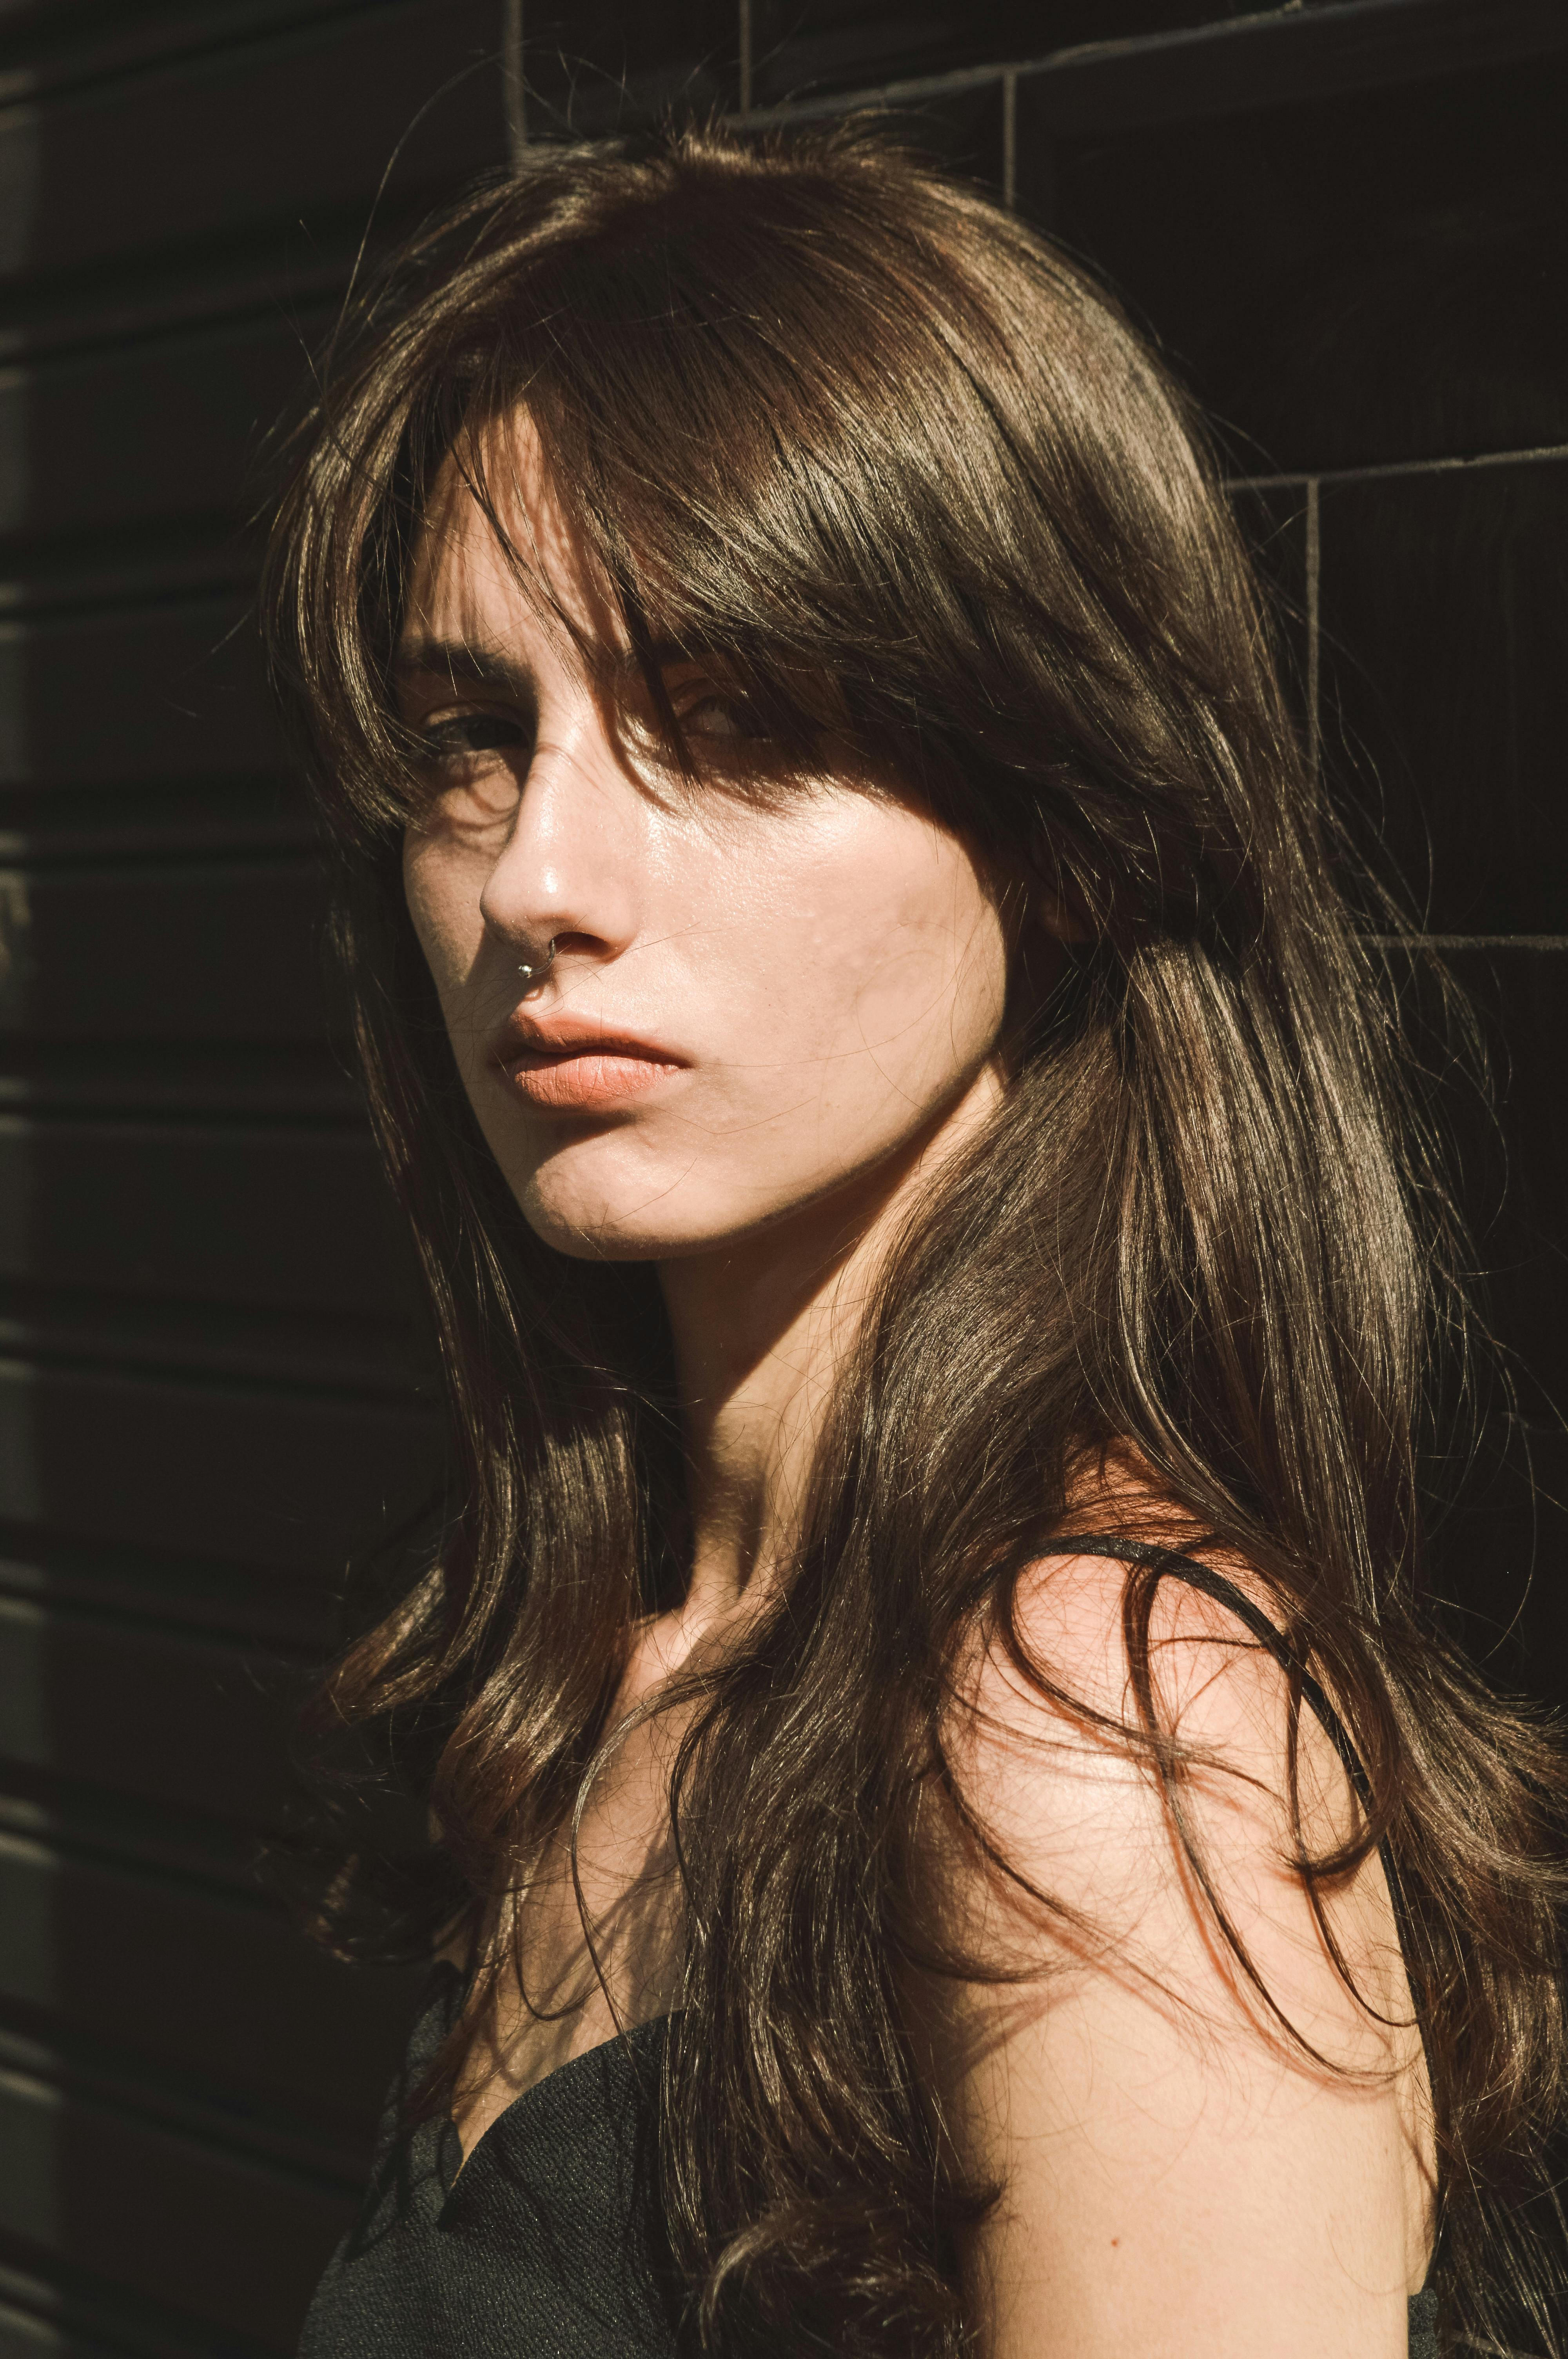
(1214, 1584)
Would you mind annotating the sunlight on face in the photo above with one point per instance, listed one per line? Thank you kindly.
(756, 999)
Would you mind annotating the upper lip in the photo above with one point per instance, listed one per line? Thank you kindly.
(561, 1035)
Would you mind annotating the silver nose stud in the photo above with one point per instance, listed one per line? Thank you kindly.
(539, 966)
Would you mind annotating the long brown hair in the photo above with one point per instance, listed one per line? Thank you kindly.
(812, 405)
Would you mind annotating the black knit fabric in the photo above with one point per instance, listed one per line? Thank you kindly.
(545, 2246)
(1423, 2326)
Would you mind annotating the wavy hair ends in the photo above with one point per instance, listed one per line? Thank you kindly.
(809, 405)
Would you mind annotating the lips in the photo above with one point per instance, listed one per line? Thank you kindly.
(568, 1069)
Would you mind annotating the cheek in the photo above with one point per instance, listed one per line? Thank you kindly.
(908, 963)
(932, 1001)
(444, 904)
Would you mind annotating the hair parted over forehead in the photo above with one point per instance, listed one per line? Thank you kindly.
(817, 416)
(848, 425)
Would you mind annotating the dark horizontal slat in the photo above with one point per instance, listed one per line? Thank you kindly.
(220, 1215)
(233, 2242)
(199, 1985)
(142, 1710)
(36, 2335)
(293, 1482)
(25, 2337)
(1277, 57)
(35, 2328)
(191, 558)
(91, 2320)
(279, 266)
(288, 126)
(804, 47)
(178, 819)
(117, 699)
(154, 1337)
(235, 1603)
(219, 951)
(191, 409)
(49, 44)
(251, 1081)
(150, 1837)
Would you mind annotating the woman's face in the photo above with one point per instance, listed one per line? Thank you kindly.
(765, 989)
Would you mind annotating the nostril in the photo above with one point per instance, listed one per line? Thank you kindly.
(538, 965)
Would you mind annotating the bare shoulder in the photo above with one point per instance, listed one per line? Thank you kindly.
(1161, 1783)
(1192, 2076)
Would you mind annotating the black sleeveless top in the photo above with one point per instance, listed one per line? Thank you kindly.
(548, 2245)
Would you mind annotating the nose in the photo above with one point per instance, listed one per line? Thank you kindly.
(564, 890)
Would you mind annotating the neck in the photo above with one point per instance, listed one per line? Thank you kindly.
(762, 1327)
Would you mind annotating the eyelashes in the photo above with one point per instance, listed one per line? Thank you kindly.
(713, 718)
(724, 717)
(464, 734)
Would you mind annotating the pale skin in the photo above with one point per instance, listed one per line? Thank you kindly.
(812, 986)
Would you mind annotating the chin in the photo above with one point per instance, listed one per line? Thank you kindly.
(597, 1227)
(651, 1218)
(605, 1243)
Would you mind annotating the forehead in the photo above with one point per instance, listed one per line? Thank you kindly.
(496, 556)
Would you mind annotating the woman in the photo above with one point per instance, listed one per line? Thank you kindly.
(951, 1831)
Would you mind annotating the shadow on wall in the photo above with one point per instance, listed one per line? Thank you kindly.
(207, 1402)
(210, 1395)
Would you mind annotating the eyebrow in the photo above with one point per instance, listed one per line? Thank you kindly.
(480, 664)
(465, 662)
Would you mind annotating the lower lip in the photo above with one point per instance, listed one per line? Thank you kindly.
(571, 1083)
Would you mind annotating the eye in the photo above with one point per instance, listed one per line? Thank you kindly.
(455, 734)
(723, 716)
